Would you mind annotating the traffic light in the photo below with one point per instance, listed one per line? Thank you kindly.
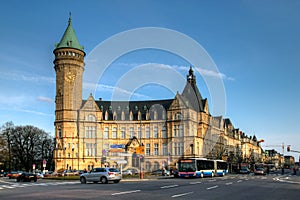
(288, 148)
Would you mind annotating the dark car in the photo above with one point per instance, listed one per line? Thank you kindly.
(27, 177)
(259, 171)
(244, 171)
(161, 172)
(13, 174)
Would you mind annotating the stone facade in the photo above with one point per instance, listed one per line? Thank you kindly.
(138, 134)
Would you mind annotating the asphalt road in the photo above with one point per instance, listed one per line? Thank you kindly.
(229, 187)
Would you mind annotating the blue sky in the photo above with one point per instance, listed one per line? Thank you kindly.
(254, 44)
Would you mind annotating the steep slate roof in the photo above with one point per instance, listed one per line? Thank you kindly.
(191, 93)
(69, 38)
(135, 107)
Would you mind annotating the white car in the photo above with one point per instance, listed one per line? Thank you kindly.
(127, 172)
(101, 174)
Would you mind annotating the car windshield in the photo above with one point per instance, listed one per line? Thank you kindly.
(113, 170)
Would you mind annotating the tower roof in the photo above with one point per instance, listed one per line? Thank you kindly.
(191, 92)
(69, 39)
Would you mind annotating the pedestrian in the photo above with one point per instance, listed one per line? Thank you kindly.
(282, 170)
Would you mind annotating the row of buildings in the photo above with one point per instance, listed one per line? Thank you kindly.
(149, 134)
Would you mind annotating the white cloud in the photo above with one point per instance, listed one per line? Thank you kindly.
(45, 99)
(24, 76)
(204, 72)
(33, 112)
(110, 89)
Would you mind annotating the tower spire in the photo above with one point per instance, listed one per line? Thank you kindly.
(69, 38)
(70, 18)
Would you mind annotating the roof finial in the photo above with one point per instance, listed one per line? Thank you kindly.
(70, 17)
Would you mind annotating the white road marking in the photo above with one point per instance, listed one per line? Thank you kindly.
(192, 183)
(239, 181)
(213, 180)
(229, 183)
(6, 186)
(213, 187)
(126, 192)
(168, 186)
(180, 195)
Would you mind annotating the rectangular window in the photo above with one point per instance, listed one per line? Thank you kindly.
(181, 148)
(175, 131)
(148, 132)
(140, 132)
(90, 132)
(155, 132)
(105, 134)
(175, 148)
(131, 132)
(165, 149)
(123, 133)
(114, 133)
(148, 149)
(60, 133)
(156, 149)
(180, 127)
(164, 132)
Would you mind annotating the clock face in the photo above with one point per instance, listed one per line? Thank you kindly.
(70, 77)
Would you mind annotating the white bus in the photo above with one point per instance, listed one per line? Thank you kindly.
(195, 167)
(221, 167)
(201, 167)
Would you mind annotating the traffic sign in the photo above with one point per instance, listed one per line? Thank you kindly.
(122, 161)
(125, 154)
(140, 150)
(115, 146)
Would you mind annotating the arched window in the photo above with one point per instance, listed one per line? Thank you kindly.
(91, 118)
(178, 116)
(122, 116)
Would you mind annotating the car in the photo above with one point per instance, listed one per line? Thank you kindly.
(27, 176)
(70, 173)
(14, 174)
(134, 170)
(259, 171)
(244, 171)
(127, 172)
(101, 174)
(161, 172)
(40, 175)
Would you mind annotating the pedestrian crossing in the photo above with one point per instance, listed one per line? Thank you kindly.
(9, 185)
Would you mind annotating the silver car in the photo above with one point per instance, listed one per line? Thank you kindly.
(103, 175)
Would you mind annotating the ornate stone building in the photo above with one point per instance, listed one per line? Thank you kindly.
(152, 134)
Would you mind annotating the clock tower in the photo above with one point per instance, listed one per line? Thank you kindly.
(69, 66)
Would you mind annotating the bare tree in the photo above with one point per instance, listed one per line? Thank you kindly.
(26, 145)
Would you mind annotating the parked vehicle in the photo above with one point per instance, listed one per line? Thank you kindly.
(244, 171)
(40, 175)
(25, 176)
(127, 172)
(259, 171)
(14, 174)
(70, 173)
(134, 170)
(161, 172)
(103, 175)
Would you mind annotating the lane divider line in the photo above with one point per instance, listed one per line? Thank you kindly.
(126, 192)
(180, 195)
